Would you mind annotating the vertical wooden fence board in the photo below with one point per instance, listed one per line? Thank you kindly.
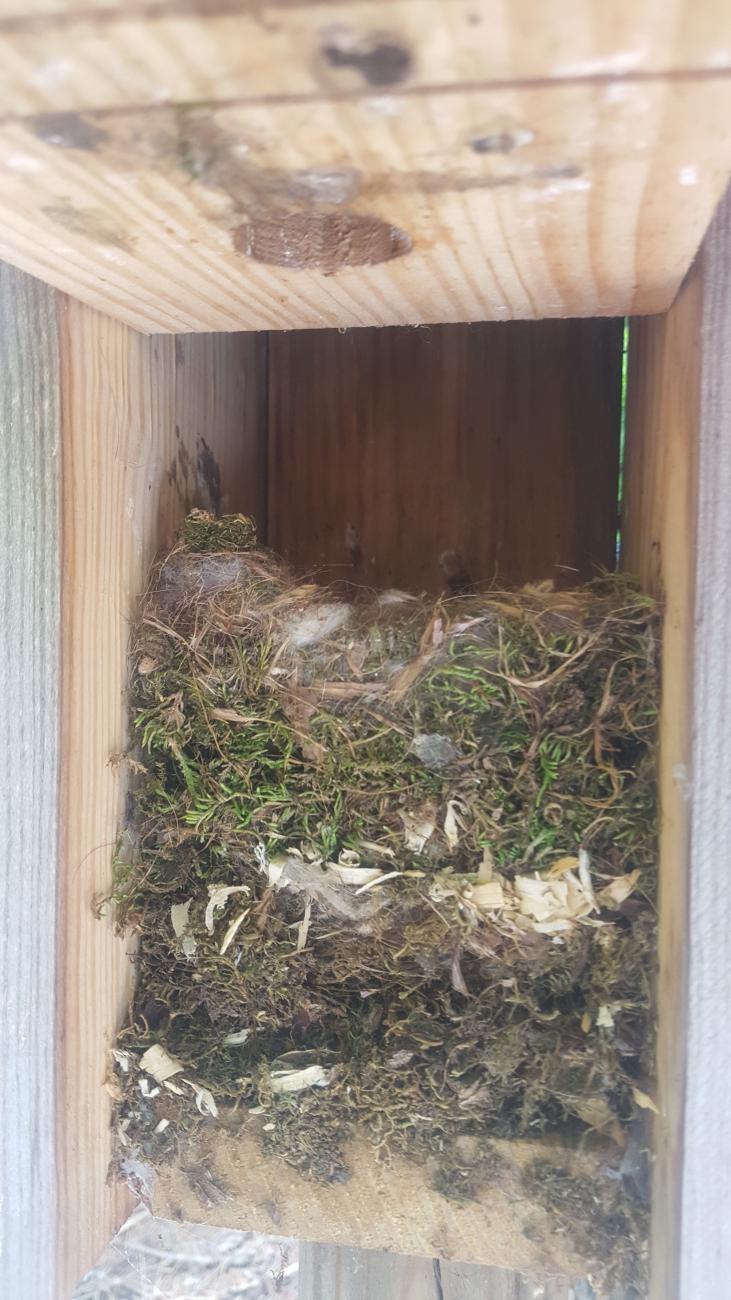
(151, 427)
(497, 442)
(705, 1266)
(677, 537)
(29, 644)
(342, 1273)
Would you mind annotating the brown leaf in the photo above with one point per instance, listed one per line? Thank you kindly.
(457, 976)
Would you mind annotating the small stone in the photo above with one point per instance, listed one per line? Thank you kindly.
(434, 751)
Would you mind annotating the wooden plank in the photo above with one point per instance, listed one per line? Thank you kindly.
(138, 449)
(307, 165)
(677, 537)
(497, 443)
(705, 1263)
(29, 645)
(75, 56)
(342, 1273)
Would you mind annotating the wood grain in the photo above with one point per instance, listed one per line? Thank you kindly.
(29, 653)
(150, 427)
(341, 1273)
(676, 536)
(706, 1248)
(184, 169)
(659, 531)
(75, 56)
(499, 443)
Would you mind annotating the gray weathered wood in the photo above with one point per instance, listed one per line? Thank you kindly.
(340, 1273)
(29, 643)
(705, 1269)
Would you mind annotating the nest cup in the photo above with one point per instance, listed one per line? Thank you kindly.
(392, 866)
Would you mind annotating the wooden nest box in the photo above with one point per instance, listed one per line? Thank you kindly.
(199, 205)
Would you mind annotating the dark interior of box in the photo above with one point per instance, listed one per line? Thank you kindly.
(441, 457)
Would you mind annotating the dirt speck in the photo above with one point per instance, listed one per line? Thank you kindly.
(381, 61)
(501, 141)
(320, 240)
(209, 475)
(91, 223)
(67, 130)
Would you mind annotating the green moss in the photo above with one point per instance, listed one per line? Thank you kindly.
(203, 532)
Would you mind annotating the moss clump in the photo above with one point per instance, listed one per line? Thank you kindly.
(203, 532)
(412, 843)
(600, 1218)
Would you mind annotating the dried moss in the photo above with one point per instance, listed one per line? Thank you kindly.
(598, 1217)
(467, 752)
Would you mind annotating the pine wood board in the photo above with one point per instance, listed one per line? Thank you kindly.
(57, 56)
(137, 451)
(341, 1273)
(198, 169)
(677, 537)
(391, 449)
(659, 531)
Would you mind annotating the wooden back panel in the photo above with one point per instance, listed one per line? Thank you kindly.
(496, 443)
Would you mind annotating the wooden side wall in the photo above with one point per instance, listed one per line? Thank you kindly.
(108, 438)
(116, 436)
(677, 537)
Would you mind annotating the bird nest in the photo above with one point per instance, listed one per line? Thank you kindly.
(392, 865)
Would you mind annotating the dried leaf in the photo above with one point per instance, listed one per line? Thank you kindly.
(615, 893)
(586, 1022)
(146, 665)
(231, 715)
(312, 1076)
(585, 876)
(552, 904)
(453, 822)
(380, 880)
(233, 929)
(218, 896)
(489, 896)
(354, 875)
(644, 1101)
(457, 977)
(418, 828)
(487, 867)
(596, 1112)
(234, 1040)
(560, 867)
(179, 915)
(204, 1099)
(123, 1059)
(160, 1064)
(304, 925)
(399, 1059)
